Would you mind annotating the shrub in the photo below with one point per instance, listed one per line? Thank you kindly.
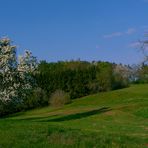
(8, 107)
(59, 98)
(37, 98)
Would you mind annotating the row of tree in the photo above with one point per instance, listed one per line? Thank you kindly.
(26, 83)
(81, 78)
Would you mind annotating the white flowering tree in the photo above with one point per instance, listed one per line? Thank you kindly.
(8, 70)
(26, 67)
(15, 74)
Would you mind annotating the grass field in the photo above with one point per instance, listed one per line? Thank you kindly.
(105, 120)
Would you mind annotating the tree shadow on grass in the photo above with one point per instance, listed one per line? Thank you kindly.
(36, 119)
(78, 115)
(66, 117)
(12, 115)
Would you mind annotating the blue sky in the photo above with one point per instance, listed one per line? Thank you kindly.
(57, 30)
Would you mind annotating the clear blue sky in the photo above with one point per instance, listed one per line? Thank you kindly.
(70, 29)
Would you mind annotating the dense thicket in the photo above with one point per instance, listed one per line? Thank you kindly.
(141, 74)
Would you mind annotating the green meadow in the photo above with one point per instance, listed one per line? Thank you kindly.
(115, 119)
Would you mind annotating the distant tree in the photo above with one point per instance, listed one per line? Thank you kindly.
(144, 49)
(142, 70)
(134, 73)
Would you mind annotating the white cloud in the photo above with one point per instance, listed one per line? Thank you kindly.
(135, 45)
(144, 27)
(97, 46)
(146, 49)
(115, 34)
(129, 31)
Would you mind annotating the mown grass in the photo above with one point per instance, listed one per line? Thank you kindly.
(105, 120)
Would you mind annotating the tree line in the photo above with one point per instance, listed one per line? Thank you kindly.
(27, 83)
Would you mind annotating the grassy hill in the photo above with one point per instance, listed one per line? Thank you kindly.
(112, 119)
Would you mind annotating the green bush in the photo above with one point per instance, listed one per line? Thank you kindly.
(59, 98)
(37, 98)
(8, 107)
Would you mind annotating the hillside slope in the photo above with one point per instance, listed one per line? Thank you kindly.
(112, 119)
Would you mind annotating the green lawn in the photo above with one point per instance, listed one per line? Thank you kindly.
(112, 119)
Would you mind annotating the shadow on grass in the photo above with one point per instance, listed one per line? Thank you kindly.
(12, 115)
(33, 118)
(78, 115)
(67, 117)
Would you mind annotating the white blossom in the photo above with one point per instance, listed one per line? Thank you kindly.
(15, 78)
